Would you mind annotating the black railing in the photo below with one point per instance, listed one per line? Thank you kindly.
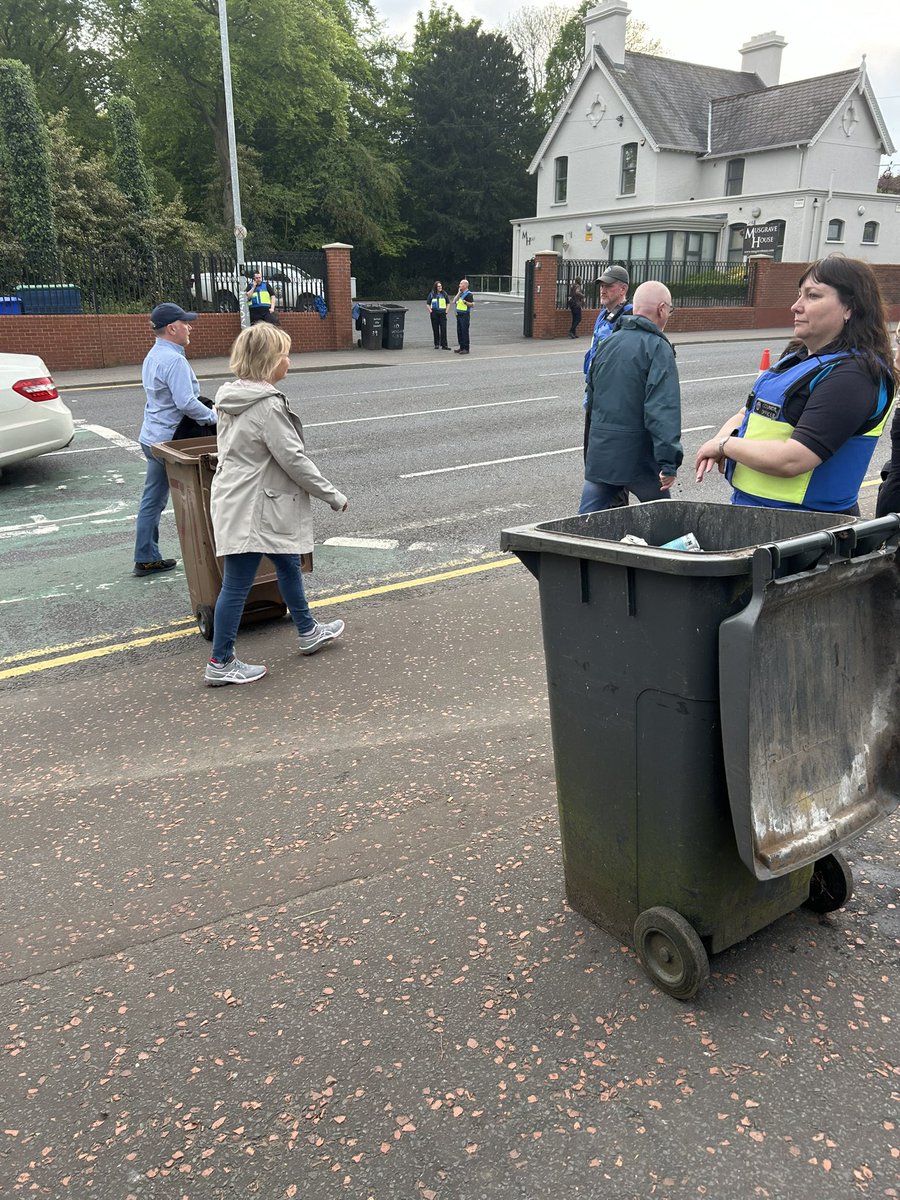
(692, 284)
(98, 281)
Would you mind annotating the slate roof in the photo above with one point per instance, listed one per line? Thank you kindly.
(789, 114)
(672, 98)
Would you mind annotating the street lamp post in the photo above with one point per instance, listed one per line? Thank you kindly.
(239, 231)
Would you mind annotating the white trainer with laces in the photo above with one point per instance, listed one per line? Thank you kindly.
(233, 671)
(320, 635)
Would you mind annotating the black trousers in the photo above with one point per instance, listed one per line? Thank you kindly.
(439, 328)
(462, 330)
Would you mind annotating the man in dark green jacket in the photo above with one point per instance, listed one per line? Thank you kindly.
(633, 421)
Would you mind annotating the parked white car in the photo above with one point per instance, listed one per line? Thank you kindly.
(294, 289)
(33, 418)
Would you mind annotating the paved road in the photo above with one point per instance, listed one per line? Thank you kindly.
(436, 457)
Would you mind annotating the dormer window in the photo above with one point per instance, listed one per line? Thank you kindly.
(734, 177)
(628, 177)
(560, 179)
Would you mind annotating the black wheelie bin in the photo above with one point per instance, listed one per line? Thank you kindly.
(370, 323)
(722, 721)
(393, 328)
(190, 466)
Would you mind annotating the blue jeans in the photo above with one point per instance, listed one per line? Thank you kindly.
(596, 496)
(153, 501)
(240, 571)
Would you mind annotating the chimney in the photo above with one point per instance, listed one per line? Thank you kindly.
(762, 55)
(604, 26)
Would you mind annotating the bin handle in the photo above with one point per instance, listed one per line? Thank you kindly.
(767, 559)
(871, 535)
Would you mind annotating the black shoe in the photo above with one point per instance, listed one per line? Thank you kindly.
(459, 351)
(153, 568)
(445, 347)
(436, 346)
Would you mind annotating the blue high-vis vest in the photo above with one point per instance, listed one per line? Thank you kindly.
(832, 486)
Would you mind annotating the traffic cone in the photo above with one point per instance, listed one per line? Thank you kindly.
(765, 362)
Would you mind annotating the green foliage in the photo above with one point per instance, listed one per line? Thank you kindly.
(26, 163)
(468, 136)
(128, 157)
(57, 40)
(90, 210)
(565, 59)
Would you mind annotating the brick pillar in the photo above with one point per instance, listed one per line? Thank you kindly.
(760, 265)
(545, 314)
(340, 302)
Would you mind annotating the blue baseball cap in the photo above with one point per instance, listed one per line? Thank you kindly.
(166, 314)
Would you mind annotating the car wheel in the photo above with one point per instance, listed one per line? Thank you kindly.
(226, 302)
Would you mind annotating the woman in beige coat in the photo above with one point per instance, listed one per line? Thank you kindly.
(259, 501)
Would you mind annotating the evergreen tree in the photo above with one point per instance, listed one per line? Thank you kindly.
(26, 164)
(469, 135)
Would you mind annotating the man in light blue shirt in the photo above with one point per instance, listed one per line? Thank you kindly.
(172, 393)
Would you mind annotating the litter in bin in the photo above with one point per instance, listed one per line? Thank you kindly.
(631, 539)
(687, 542)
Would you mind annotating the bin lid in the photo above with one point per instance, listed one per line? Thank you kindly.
(728, 535)
(185, 450)
(809, 693)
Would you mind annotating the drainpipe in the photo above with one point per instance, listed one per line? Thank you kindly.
(822, 219)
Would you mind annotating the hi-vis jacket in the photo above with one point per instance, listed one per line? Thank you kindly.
(464, 302)
(833, 486)
(261, 296)
(438, 301)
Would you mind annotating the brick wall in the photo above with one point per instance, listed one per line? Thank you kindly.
(69, 342)
(773, 290)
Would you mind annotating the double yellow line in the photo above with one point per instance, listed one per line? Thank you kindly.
(87, 648)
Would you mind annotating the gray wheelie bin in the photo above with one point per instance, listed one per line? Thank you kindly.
(722, 721)
(190, 466)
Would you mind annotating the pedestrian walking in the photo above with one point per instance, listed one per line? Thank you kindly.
(260, 499)
(575, 303)
(613, 283)
(436, 305)
(172, 393)
(633, 428)
(806, 436)
(462, 304)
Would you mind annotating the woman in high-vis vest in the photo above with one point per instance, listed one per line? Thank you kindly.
(805, 438)
(437, 303)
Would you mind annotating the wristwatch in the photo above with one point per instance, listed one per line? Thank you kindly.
(722, 442)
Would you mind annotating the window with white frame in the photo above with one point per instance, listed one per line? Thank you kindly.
(628, 179)
(560, 179)
(835, 230)
(870, 233)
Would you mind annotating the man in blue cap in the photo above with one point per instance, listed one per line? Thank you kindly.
(172, 393)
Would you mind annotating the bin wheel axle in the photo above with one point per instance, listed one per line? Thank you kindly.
(831, 885)
(205, 621)
(671, 952)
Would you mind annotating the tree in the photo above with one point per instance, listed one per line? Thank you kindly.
(565, 59)
(54, 38)
(26, 163)
(889, 182)
(533, 32)
(468, 136)
(128, 157)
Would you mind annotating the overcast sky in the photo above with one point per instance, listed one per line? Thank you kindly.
(821, 38)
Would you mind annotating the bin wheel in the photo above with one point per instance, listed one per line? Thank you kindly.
(671, 952)
(831, 885)
(205, 621)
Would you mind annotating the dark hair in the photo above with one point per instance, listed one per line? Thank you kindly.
(866, 329)
(437, 283)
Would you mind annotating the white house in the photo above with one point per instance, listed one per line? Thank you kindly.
(654, 160)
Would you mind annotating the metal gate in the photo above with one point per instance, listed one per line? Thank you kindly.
(528, 325)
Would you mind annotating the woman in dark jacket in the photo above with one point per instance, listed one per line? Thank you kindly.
(437, 303)
(576, 303)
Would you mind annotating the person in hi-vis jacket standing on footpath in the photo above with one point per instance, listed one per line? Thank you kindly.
(462, 304)
(437, 303)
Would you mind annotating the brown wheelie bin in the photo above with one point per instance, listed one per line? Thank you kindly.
(190, 466)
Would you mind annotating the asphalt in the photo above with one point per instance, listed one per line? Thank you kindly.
(310, 938)
(417, 349)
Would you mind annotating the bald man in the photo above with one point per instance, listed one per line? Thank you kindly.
(632, 437)
(462, 304)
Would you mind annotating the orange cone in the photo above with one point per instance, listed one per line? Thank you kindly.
(765, 362)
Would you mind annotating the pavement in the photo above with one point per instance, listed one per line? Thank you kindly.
(309, 938)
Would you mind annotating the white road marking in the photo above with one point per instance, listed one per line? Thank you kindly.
(39, 523)
(110, 435)
(425, 412)
(360, 543)
(493, 462)
(702, 379)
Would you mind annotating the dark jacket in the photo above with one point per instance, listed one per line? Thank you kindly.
(633, 405)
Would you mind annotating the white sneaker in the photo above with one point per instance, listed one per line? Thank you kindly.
(233, 671)
(320, 635)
